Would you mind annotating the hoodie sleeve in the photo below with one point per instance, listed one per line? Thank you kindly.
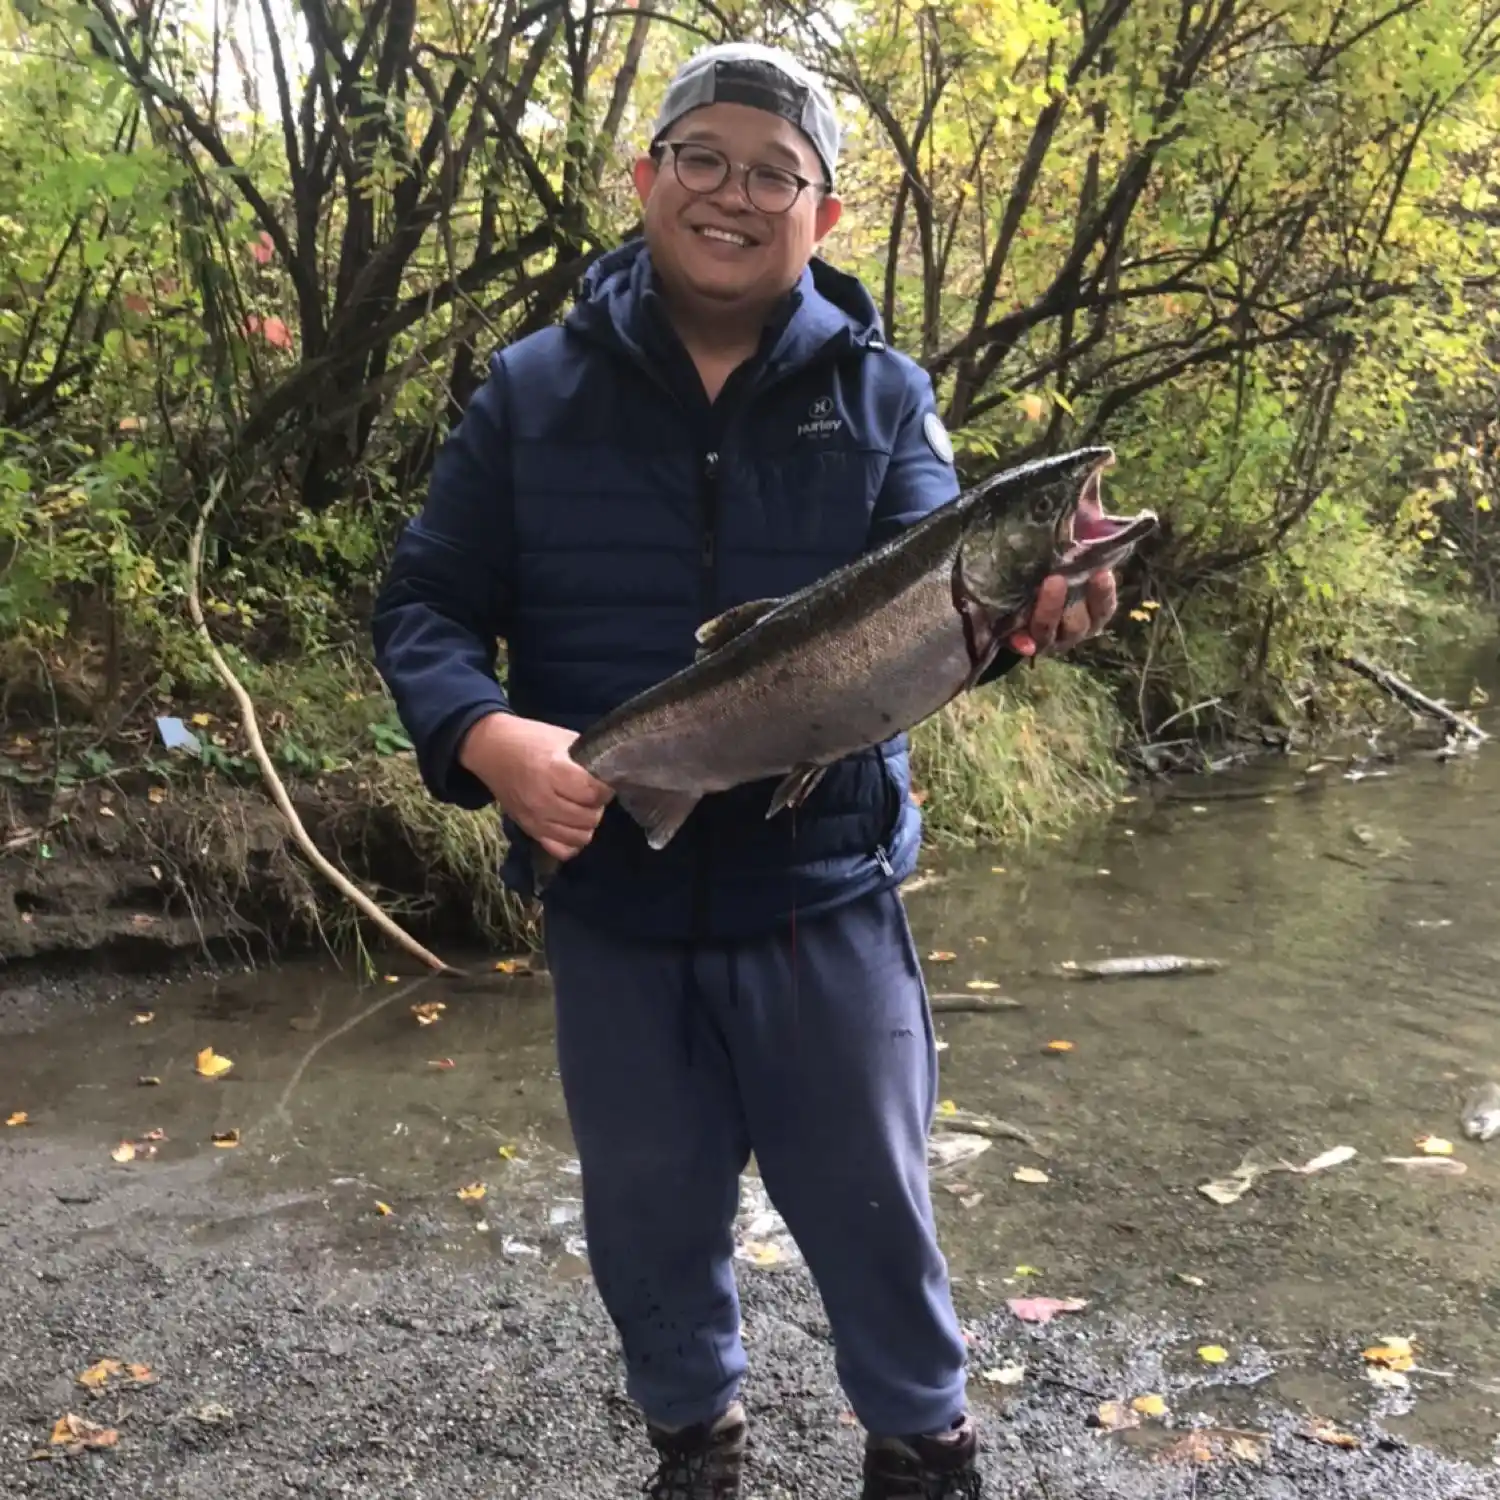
(447, 597)
(920, 478)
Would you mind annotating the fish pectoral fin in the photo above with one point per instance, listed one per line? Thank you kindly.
(795, 788)
(719, 631)
(660, 811)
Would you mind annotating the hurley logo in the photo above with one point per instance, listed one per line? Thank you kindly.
(821, 422)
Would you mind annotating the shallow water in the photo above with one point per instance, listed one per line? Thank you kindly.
(1358, 1005)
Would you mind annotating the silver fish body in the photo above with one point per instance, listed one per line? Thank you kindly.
(786, 687)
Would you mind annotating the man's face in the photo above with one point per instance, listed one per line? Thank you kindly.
(721, 246)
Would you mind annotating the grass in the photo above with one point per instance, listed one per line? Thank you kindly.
(1028, 756)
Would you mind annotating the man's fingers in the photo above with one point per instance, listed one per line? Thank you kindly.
(574, 784)
(1099, 595)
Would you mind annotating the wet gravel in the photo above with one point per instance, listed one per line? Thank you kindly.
(305, 1346)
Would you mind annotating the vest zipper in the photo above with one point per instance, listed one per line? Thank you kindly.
(708, 501)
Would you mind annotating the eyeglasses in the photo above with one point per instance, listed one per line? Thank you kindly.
(704, 169)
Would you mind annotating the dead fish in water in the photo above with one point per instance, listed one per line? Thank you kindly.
(1151, 965)
(786, 687)
(1481, 1115)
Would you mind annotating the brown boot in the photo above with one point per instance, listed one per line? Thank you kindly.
(702, 1462)
(923, 1468)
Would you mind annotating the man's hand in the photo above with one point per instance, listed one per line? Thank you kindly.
(526, 766)
(1051, 628)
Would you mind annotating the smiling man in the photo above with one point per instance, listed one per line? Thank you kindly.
(719, 419)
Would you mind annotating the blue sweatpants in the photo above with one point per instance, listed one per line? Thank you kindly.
(812, 1047)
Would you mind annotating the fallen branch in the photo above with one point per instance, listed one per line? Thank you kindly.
(273, 781)
(1403, 692)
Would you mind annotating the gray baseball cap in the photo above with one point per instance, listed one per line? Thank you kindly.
(763, 78)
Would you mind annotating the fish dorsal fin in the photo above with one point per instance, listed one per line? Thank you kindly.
(719, 631)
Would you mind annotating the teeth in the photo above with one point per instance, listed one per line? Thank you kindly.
(727, 235)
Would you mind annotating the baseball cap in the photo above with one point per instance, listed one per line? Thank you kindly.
(762, 78)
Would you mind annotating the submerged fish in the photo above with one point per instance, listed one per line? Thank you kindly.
(1481, 1116)
(786, 687)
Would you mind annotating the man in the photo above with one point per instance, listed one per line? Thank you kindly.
(718, 419)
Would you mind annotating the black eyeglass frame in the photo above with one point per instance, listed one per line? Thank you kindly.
(745, 169)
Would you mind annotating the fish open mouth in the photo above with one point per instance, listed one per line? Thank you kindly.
(1089, 539)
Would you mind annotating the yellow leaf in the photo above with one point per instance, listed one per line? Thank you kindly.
(1033, 408)
(428, 1011)
(211, 1065)
(148, 1081)
(473, 1193)
(143, 1018)
(1434, 1145)
(1059, 1046)
(1027, 1271)
(157, 794)
(383, 1208)
(1482, 503)
(1139, 614)
(20, 1117)
(1005, 1375)
(1149, 1406)
(981, 984)
(1150, 604)
(98, 1375)
(947, 1107)
(226, 1138)
(761, 1254)
(506, 1153)
(75, 1433)
(1394, 1354)
(1111, 1416)
(125, 1151)
(513, 966)
(997, 869)
(1212, 1354)
(1030, 1174)
(203, 720)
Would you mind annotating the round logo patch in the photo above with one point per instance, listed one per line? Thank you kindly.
(937, 436)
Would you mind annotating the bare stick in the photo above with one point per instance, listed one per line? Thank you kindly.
(273, 782)
(948, 1001)
(1403, 692)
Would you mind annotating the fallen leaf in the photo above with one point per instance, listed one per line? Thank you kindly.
(761, 1254)
(1059, 1046)
(383, 1208)
(997, 869)
(20, 1117)
(440, 1062)
(107, 812)
(513, 966)
(143, 1018)
(226, 1138)
(1042, 1309)
(941, 956)
(972, 1200)
(1226, 1190)
(155, 1135)
(1252, 1450)
(1190, 1280)
(1434, 1145)
(203, 720)
(473, 1193)
(74, 1434)
(1150, 1405)
(125, 1151)
(1112, 1416)
(1030, 1174)
(1004, 1375)
(97, 1375)
(1334, 1157)
(141, 1374)
(211, 1065)
(1387, 1378)
(1393, 1354)
(157, 794)
(1027, 1271)
(947, 1107)
(981, 984)
(1212, 1354)
(1326, 1432)
(506, 1153)
(148, 1080)
(428, 1011)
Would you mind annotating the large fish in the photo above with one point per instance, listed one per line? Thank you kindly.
(785, 687)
